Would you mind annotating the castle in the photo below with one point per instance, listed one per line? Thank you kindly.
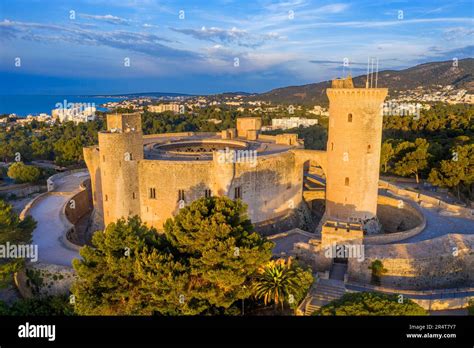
(153, 176)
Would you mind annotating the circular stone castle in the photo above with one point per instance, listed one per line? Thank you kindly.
(153, 176)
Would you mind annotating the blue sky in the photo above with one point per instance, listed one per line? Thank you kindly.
(83, 46)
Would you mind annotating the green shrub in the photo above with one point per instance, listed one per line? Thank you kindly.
(371, 303)
(23, 173)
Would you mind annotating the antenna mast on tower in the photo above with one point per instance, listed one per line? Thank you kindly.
(377, 73)
(367, 82)
(372, 66)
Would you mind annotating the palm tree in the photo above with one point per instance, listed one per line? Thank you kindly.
(276, 281)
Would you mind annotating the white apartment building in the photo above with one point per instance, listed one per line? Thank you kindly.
(292, 122)
(174, 107)
(77, 113)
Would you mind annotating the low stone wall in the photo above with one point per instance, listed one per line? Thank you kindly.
(313, 255)
(432, 300)
(291, 232)
(79, 204)
(20, 191)
(443, 262)
(26, 210)
(52, 179)
(387, 238)
(266, 137)
(74, 210)
(421, 198)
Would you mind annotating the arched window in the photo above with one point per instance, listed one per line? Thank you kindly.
(332, 146)
(346, 181)
(369, 149)
(349, 118)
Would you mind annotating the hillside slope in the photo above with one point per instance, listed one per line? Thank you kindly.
(427, 76)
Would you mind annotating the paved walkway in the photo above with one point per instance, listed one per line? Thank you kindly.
(438, 224)
(50, 229)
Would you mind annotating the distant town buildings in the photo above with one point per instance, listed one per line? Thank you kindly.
(446, 94)
(318, 110)
(292, 122)
(77, 113)
(391, 108)
(173, 107)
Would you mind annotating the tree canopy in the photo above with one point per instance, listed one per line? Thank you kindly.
(457, 171)
(44, 306)
(371, 303)
(202, 263)
(23, 173)
(14, 231)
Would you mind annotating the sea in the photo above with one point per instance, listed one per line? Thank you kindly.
(24, 105)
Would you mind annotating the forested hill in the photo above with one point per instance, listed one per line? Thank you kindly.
(428, 75)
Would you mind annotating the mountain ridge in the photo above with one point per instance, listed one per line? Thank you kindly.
(427, 75)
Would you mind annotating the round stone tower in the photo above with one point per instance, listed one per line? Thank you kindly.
(121, 147)
(353, 151)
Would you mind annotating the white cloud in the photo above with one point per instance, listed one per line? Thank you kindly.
(106, 18)
(230, 36)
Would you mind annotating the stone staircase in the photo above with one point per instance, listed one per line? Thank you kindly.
(326, 290)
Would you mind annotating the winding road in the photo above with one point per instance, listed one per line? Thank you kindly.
(438, 223)
(50, 228)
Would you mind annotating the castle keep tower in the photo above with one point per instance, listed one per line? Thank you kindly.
(353, 151)
(121, 147)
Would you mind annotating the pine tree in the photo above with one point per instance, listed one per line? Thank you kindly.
(14, 231)
(217, 240)
(456, 172)
(202, 264)
(415, 158)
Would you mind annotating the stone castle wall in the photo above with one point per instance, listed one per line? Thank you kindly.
(82, 204)
(271, 188)
(125, 184)
(442, 262)
(92, 159)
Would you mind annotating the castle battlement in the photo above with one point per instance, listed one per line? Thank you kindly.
(357, 92)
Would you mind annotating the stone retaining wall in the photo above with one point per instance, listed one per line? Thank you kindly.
(51, 182)
(398, 236)
(443, 262)
(76, 208)
(20, 191)
(421, 198)
(26, 210)
(79, 204)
